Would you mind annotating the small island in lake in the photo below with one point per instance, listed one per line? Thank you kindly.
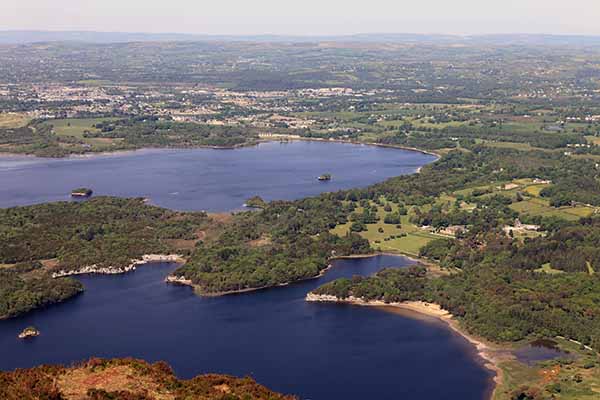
(29, 332)
(324, 177)
(81, 192)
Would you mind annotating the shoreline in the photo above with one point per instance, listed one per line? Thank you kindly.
(483, 349)
(111, 270)
(346, 141)
(124, 152)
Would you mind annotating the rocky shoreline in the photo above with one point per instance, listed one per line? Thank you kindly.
(110, 270)
(484, 350)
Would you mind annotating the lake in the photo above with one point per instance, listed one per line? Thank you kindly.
(316, 351)
(206, 179)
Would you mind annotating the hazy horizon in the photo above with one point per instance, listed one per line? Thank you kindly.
(308, 18)
(299, 35)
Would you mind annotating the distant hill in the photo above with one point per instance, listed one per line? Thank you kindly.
(25, 37)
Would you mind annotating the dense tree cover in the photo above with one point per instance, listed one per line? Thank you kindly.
(103, 231)
(390, 285)
(22, 289)
(148, 131)
(503, 303)
(126, 379)
(107, 232)
(570, 247)
(232, 267)
(256, 202)
(577, 183)
(285, 242)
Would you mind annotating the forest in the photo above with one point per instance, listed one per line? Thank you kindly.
(106, 232)
(285, 242)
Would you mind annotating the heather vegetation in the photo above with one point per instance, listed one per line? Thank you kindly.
(126, 379)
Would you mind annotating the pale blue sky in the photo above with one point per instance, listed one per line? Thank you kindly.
(305, 17)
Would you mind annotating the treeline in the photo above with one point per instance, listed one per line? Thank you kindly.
(392, 285)
(151, 131)
(467, 136)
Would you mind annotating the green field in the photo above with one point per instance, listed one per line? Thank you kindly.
(413, 237)
(547, 269)
(532, 204)
(75, 127)
(537, 206)
(534, 190)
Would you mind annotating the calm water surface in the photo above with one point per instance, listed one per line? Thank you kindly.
(317, 351)
(541, 350)
(205, 179)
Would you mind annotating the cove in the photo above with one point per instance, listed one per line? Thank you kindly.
(206, 179)
(316, 351)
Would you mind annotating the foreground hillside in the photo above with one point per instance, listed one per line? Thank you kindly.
(125, 379)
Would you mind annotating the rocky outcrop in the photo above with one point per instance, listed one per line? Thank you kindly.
(322, 298)
(110, 270)
(178, 280)
(29, 332)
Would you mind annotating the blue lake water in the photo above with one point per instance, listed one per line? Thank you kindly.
(316, 351)
(541, 350)
(205, 179)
